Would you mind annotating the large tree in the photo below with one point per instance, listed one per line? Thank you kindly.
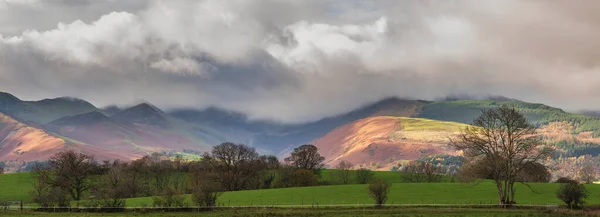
(500, 145)
(236, 166)
(72, 172)
(306, 157)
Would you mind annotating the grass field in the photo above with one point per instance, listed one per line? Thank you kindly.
(400, 193)
(16, 186)
(399, 212)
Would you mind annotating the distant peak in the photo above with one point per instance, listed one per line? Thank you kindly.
(146, 106)
(81, 119)
(143, 113)
(8, 97)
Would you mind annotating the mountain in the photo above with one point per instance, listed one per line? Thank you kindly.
(21, 143)
(277, 138)
(111, 110)
(367, 135)
(133, 132)
(372, 141)
(43, 111)
(81, 119)
(384, 141)
(143, 114)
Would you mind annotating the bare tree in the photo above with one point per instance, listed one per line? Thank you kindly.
(588, 174)
(205, 191)
(364, 175)
(418, 171)
(379, 189)
(502, 141)
(137, 178)
(1, 170)
(344, 171)
(236, 166)
(306, 157)
(72, 171)
(112, 190)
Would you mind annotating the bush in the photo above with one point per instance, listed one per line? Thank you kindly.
(170, 198)
(565, 180)
(206, 196)
(363, 175)
(379, 189)
(573, 194)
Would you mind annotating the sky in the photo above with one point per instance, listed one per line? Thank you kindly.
(298, 61)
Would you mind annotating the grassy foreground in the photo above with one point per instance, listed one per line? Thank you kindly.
(400, 193)
(332, 212)
(16, 186)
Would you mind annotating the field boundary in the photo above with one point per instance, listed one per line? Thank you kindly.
(310, 206)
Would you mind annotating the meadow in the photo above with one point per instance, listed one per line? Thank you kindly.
(346, 212)
(16, 187)
(400, 193)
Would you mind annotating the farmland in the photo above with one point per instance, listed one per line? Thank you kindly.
(16, 187)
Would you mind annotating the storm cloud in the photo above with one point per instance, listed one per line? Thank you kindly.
(298, 61)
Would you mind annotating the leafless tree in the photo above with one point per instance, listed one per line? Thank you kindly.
(72, 172)
(588, 174)
(236, 166)
(418, 171)
(306, 157)
(378, 190)
(364, 175)
(504, 142)
(112, 189)
(1, 170)
(137, 178)
(344, 171)
(205, 191)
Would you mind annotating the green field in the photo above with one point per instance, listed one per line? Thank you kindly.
(351, 212)
(16, 186)
(401, 193)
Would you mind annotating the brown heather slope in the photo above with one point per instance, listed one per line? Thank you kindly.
(20, 142)
(383, 141)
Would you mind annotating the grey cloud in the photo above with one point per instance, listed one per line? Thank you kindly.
(297, 61)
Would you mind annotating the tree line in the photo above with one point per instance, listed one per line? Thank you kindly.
(70, 176)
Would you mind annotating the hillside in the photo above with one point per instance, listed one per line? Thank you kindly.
(385, 140)
(279, 139)
(572, 134)
(43, 111)
(133, 132)
(21, 143)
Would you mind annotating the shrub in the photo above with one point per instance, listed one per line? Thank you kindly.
(364, 175)
(379, 189)
(170, 198)
(573, 194)
(206, 195)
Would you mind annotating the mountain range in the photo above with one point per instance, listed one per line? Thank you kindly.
(379, 135)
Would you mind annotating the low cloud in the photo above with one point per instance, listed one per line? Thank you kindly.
(297, 61)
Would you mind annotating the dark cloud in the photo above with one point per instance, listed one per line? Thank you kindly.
(298, 61)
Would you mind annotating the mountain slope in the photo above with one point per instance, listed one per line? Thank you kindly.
(385, 140)
(43, 111)
(20, 142)
(276, 138)
(133, 132)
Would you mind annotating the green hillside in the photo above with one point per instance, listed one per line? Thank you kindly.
(465, 111)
